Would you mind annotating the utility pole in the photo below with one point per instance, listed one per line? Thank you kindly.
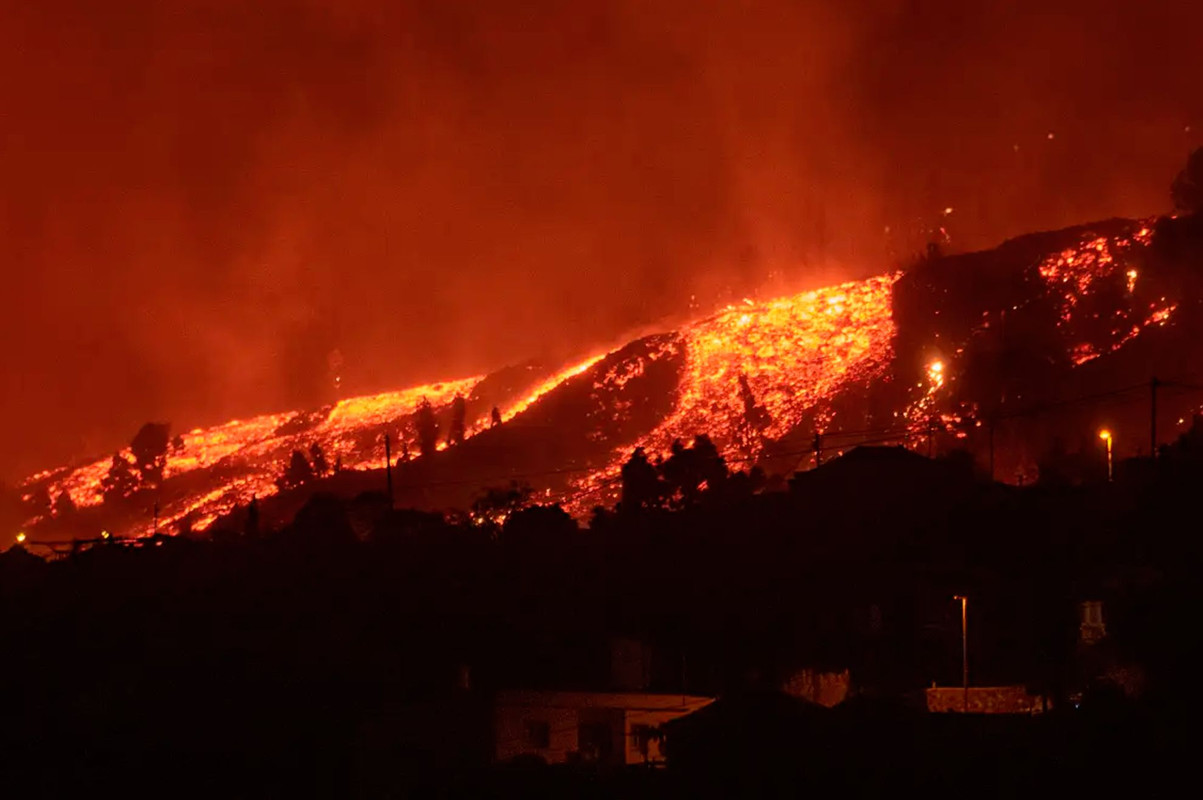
(992, 448)
(818, 447)
(388, 467)
(964, 651)
(1153, 384)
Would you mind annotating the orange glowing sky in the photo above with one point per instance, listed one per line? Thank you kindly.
(204, 200)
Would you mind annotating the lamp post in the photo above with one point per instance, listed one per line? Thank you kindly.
(1105, 435)
(964, 651)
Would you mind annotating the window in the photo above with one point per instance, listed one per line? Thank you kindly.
(538, 734)
(642, 736)
(1092, 627)
(595, 741)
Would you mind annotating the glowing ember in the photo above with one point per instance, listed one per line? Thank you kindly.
(1075, 272)
(935, 374)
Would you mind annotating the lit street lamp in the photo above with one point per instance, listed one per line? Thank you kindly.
(964, 650)
(1105, 435)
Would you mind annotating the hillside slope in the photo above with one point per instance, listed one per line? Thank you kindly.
(921, 357)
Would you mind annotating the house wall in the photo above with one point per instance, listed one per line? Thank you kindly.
(564, 712)
(984, 700)
(511, 737)
(652, 719)
(825, 688)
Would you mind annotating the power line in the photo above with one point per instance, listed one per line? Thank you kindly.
(1037, 409)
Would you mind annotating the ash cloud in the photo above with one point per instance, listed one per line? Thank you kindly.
(200, 201)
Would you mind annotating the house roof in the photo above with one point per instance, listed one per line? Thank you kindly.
(761, 710)
(631, 701)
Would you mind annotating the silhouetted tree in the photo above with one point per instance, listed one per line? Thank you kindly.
(320, 466)
(426, 427)
(690, 469)
(756, 417)
(741, 485)
(641, 485)
(459, 410)
(1187, 188)
(496, 504)
(322, 523)
(120, 481)
(149, 447)
(64, 505)
(1188, 447)
(252, 518)
(495, 416)
(298, 471)
(539, 527)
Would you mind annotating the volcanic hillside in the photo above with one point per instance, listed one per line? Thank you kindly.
(1012, 350)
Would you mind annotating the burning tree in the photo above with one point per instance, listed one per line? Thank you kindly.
(120, 481)
(497, 504)
(298, 471)
(459, 410)
(63, 504)
(641, 484)
(320, 466)
(426, 426)
(691, 470)
(149, 447)
(755, 419)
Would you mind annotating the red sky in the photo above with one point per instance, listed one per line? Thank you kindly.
(199, 201)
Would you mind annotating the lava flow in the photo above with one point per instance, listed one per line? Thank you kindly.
(748, 376)
(1075, 273)
(752, 371)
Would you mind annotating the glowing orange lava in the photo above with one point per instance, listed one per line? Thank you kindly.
(793, 354)
(253, 450)
(748, 375)
(514, 409)
(1074, 272)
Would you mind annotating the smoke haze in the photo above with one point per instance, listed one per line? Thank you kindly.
(202, 201)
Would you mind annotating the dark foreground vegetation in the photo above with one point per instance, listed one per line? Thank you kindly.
(354, 651)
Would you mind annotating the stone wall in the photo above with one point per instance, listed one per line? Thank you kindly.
(985, 700)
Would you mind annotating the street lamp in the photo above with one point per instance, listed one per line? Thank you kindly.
(964, 650)
(1105, 435)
